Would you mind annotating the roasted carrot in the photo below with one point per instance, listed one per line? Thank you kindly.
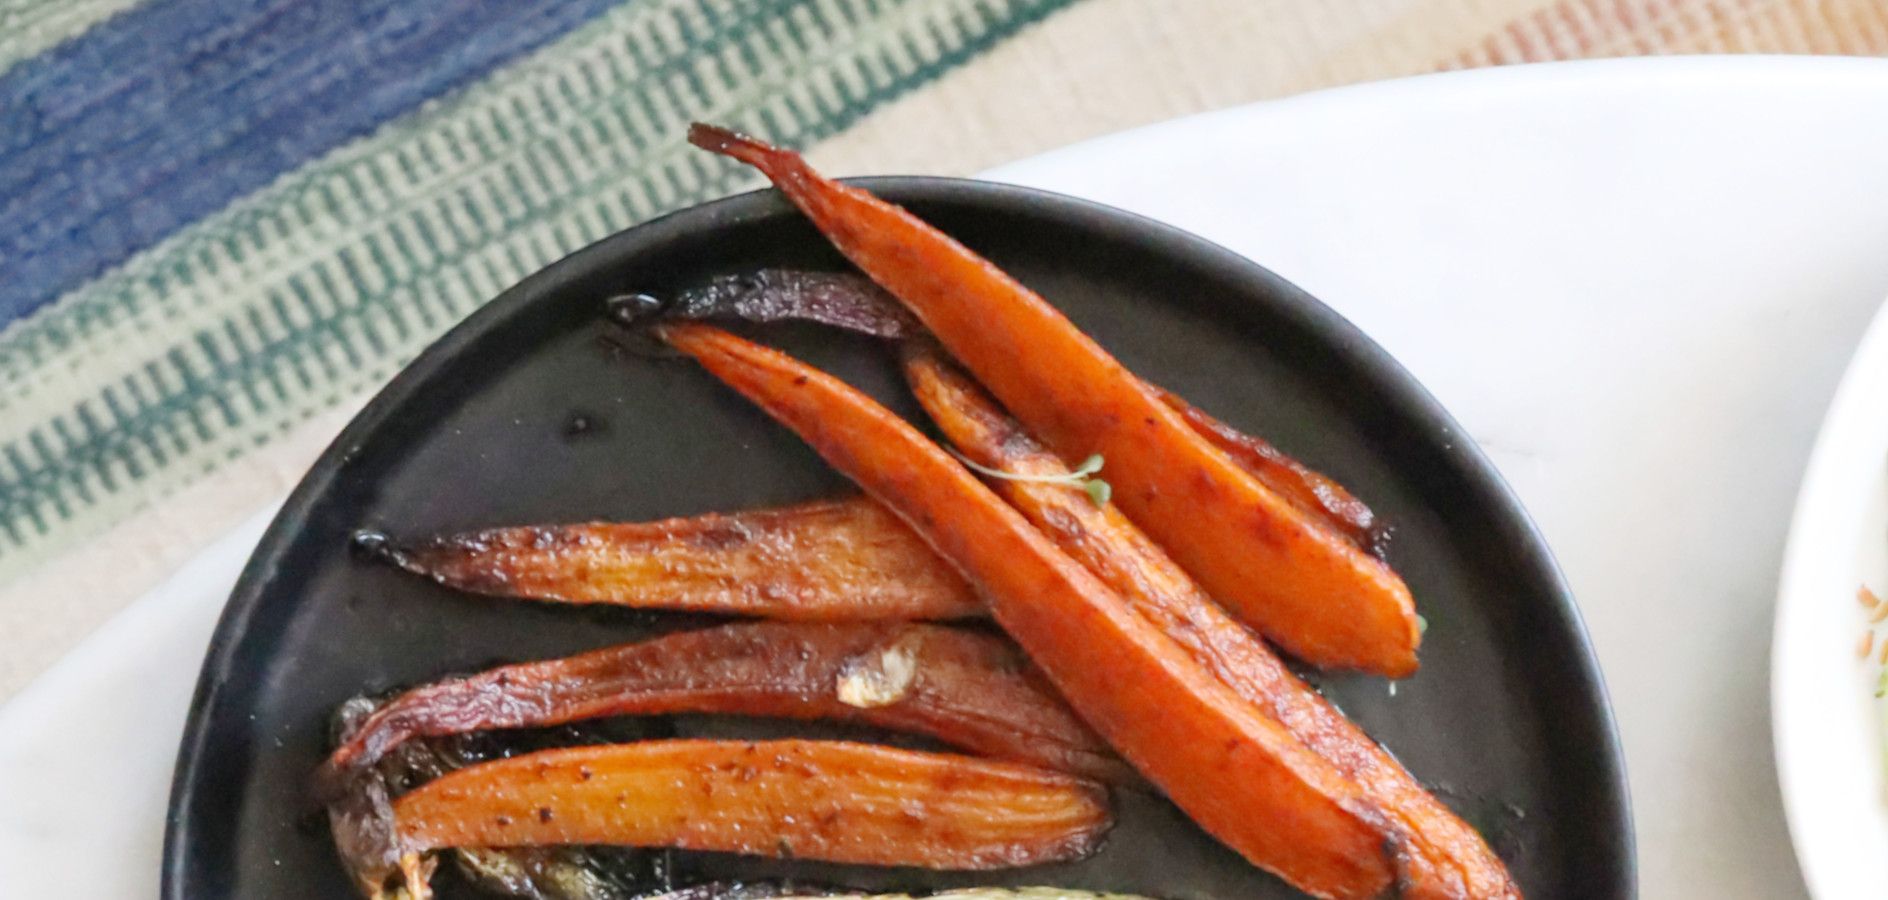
(1315, 494)
(975, 691)
(856, 303)
(824, 800)
(1305, 587)
(822, 561)
(1440, 855)
(1235, 771)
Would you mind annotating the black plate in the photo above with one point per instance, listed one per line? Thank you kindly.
(528, 412)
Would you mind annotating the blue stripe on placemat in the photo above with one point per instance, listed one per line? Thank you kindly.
(166, 113)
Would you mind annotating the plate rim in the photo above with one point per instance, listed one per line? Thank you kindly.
(1416, 402)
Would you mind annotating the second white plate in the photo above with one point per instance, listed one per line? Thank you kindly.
(1831, 735)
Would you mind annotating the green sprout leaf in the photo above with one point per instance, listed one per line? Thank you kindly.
(1097, 490)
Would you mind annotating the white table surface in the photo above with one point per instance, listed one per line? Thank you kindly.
(1635, 283)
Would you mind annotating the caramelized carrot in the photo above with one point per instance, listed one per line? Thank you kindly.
(1305, 587)
(823, 800)
(822, 561)
(968, 689)
(1440, 855)
(1315, 494)
(1234, 770)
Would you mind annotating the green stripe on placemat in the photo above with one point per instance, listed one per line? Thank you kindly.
(324, 283)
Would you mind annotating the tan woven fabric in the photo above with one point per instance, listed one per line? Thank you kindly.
(1098, 67)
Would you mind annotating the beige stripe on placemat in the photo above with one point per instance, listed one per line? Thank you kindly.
(1581, 29)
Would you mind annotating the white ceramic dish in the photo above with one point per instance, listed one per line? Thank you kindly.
(1831, 734)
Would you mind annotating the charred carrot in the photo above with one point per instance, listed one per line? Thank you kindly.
(822, 800)
(1310, 590)
(829, 560)
(1236, 772)
(839, 299)
(1440, 855)
(975, 691)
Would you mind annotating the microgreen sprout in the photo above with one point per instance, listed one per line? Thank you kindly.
(1098, 490)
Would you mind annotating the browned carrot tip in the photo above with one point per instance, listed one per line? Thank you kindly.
(975, 691)
(1276, 567)
(821, 800)
(1236, 772)
(1440, 855)
(726, 141)
(1313, 493)
(852, 561)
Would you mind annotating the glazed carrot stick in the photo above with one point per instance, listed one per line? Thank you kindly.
(829, 560)
(1236, 772)
(1305, 587)
(973, 690)
(1312, 492)
(1440, 855)
(824, 800)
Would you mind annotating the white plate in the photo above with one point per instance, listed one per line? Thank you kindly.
(1633, 282)
(86, 751)
(1832, 749)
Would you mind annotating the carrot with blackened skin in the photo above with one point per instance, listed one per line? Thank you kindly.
(1283, 571)
(1230, 767)
(975, 691)
(1440, 855)
(832, 801)
(839, 299)
(828, 560)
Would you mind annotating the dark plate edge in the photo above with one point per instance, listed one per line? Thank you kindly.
(1414, 403)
